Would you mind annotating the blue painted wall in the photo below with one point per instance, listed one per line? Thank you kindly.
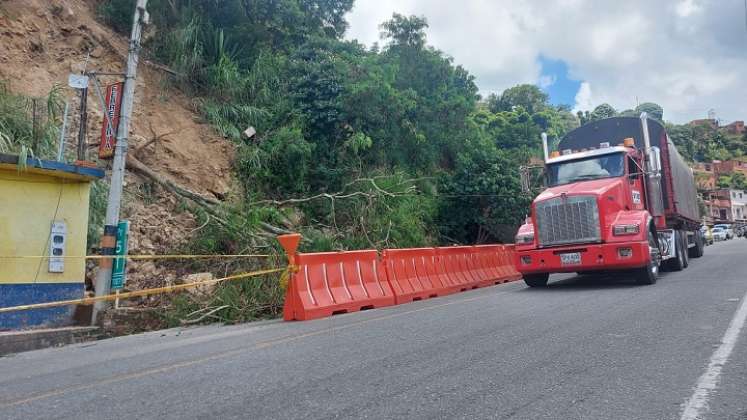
(27, 293)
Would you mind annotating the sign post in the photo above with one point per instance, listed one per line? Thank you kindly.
(120, 264)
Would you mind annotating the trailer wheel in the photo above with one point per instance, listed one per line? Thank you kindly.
(685, 249)
(678, 262)
(699, 248)
(650, 273)
(536, 280)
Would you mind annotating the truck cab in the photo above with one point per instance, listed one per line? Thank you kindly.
(603, 209)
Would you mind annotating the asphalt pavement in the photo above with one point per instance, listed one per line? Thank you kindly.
(583, 348)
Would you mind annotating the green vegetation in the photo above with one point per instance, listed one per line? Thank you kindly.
(704, 143)
(356, 148)
(29, 127)
(735, 180)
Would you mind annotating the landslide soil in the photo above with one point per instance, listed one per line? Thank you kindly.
(42, 42)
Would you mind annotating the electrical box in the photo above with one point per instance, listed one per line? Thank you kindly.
(57, 240)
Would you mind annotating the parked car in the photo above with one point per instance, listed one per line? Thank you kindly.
(707, 234)
(719, 233)
(727, 228)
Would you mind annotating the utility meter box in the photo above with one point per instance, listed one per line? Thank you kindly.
(57, 240)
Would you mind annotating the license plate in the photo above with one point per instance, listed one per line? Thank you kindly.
(573, 258)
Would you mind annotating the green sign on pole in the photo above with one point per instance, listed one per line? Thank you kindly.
(119, 265)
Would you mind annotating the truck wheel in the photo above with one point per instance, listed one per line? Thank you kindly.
(536, 280)
(649, 273)
(685, 249)
(699, 248)
(678, 262)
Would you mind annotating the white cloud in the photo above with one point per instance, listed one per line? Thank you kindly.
(583, 98)
(687, 55)
(686, 8)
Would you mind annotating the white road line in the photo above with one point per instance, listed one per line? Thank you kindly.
(697, 405)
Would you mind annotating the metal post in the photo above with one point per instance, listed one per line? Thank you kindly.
(544, 146)
(83, 124)
(103, 278)
(34, 139)
(61, 148)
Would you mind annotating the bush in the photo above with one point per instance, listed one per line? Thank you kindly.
(282, 162)
(117, 14)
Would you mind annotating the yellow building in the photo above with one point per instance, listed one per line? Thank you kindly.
(43, 212)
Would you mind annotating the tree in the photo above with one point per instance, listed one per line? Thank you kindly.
(653, 110)
(529, 97)
(484, 195)
(405, 31)
(583, 117)
(328, 15)
(602, 111)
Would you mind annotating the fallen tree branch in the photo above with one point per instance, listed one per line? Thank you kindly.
(205, 315)
(137, 166)
(206, 203)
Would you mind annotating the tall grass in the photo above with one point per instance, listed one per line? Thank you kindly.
(19, 134)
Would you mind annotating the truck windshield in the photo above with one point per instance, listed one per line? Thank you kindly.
(605, 166)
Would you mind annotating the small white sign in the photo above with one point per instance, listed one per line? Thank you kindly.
(636, 197)
(77, 81)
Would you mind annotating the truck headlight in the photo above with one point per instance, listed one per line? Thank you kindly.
(524, 238)
(620, 230)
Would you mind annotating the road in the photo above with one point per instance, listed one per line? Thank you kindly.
(584, 348)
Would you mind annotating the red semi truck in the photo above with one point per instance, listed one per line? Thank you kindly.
(618, 197)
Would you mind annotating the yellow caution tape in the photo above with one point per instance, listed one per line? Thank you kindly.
(138, 257)
(137, 293)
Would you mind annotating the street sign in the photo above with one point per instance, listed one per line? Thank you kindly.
(109, 132)
(77, 81)
(120, 264)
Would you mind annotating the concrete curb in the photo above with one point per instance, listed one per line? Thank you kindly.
(20, 341)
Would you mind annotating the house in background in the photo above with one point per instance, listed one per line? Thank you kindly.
(708, 122)
(705, 178)
(718, 205)
(729, 166)
(738, 205)
(43, 213)
(737, 128)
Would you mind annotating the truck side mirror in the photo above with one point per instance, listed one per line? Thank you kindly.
(526, 182)
(533, 174)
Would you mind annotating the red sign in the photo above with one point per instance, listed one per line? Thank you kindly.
(109, 133)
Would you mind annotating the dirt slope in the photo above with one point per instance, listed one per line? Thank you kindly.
(42, 41)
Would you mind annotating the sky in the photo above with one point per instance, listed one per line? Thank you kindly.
(689, 56)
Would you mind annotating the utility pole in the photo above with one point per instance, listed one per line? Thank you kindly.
(103, 278)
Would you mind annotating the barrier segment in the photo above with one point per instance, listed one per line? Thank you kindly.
(509, 255)
(408, 276)
(329, 283)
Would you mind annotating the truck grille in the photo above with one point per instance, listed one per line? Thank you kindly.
(568, 220)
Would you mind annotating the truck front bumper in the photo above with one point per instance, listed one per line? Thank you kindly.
(613, 256)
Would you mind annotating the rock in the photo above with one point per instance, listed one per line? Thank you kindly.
(36, 45)
(202, 290)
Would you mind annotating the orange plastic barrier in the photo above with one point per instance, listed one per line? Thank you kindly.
(336, 282)
(454, 261)
(509, 256)
(413, 274)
